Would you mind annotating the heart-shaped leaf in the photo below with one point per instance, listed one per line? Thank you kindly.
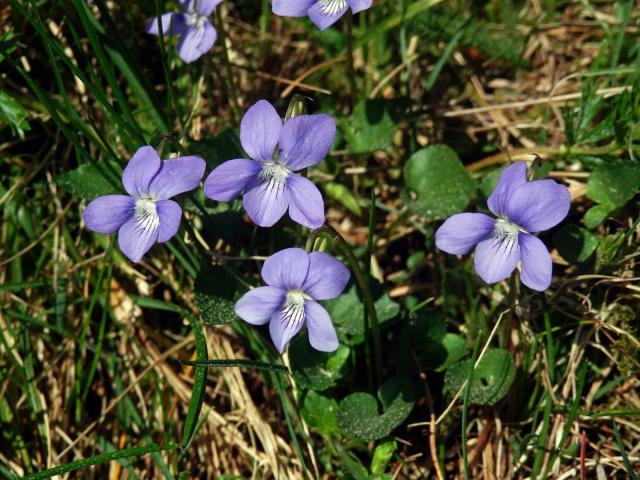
(358, 413)
(426, 334)
(219, 149)
(437, 177)
(575, 244)
(320, 413)
(614, 183)
(373, 124)
(347, 312)
(92, 180)
(216, 292)
(492, 378)
(316, 370)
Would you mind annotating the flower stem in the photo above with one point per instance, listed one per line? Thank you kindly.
(361, 279)
(505, 335)
(352, 74)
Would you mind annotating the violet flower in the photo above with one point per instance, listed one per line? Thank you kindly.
(296, 280)
(522, 208)
(146, 215)
(268, 180)
(323, 13)
(196, 33)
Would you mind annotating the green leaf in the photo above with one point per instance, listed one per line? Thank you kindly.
(216, 291)
(382, 455)
(225, 146)
(436, 176)
(492, 378)
(92, 180)
(575, 244)
(199, 382)
(316, 370)
(455, 347)
(320, 413)
(596, 215)
(342, 194)
(372, 125)
(614, 183)
(426, 334)
(347, 311)
(358, 413)
(13, 114)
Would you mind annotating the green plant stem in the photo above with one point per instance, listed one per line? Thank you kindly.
(507, 326)
(232, 92)
(361, 279)
(352, 74)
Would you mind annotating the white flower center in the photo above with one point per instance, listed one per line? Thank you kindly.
(506, 233)
(293, 308)
(331, 7)
(275, 174)
(195, 20)
(146, 215)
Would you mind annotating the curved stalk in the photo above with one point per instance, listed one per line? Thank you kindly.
(361, 279)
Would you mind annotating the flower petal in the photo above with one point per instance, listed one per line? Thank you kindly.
(305, 140)
(209, 36)
(282, 329)
(495, 260)
(286, 269)
(230, 178)
(177, 22)
(140, 170)
(107, 214)
(538, 205)
(322, 333)
(188, 46)
(260, 130)
(326, 278)
(511, 179)
(205, 7)
(177, 175)
(170, 215)
(266, 201)
(536, 263)
(258, 305)
(359, 5)
(137, 235)
(306, 206)
(323, 20)
(291, 8)
(459, 233)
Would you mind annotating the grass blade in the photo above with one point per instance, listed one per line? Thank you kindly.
(199, 382)
(98, 459)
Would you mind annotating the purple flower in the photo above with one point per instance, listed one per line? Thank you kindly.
(522, 208)
(323, 13)
(296, 280)
(146, 215)
(268, 181)
(193, 27)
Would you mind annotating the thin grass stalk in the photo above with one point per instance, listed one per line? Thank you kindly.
(232, 92)
(465, 408)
